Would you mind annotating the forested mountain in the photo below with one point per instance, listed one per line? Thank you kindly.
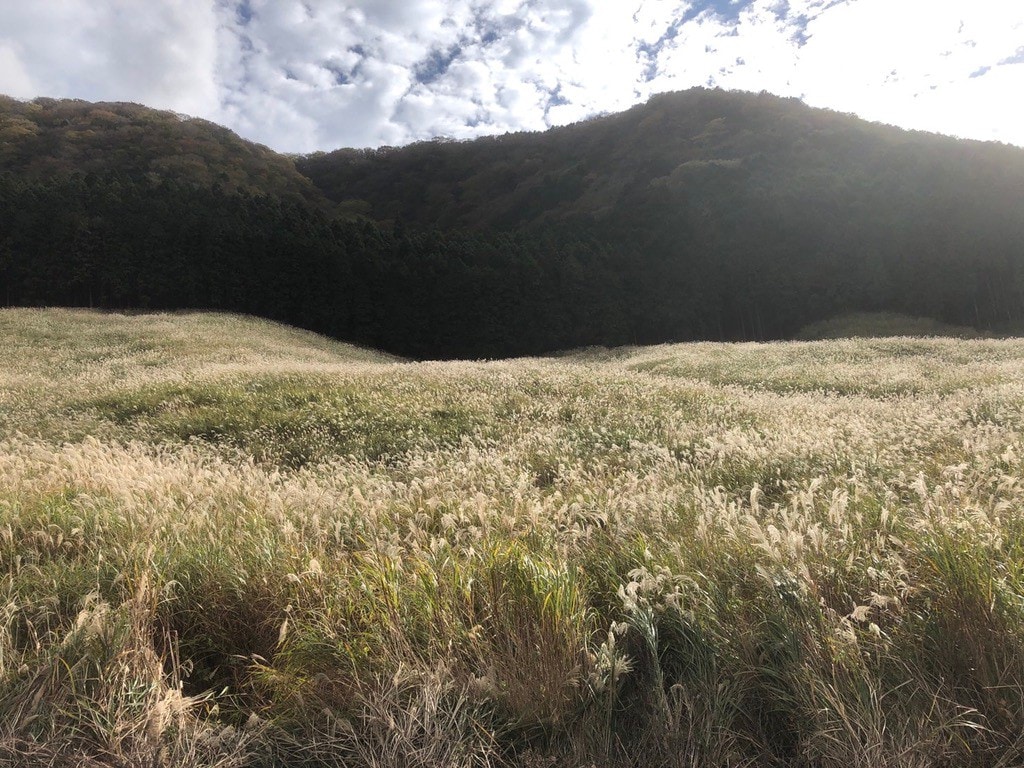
(45, 138)
(702, 214)
(710, 145)
(757, 212)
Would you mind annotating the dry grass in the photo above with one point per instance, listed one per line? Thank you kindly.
(223, 542)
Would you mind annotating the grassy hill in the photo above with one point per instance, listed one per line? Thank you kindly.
(225, 542)
(881, 324)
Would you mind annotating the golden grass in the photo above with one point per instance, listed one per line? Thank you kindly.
(226, 542)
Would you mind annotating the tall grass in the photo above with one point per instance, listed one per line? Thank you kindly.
(226, 543)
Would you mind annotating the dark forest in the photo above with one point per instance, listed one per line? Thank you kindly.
(699, 215)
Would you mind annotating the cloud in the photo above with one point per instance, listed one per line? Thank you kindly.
(1016, 58)
(916, 63)
(14, 78)
(392, 72)
(158, 53)
(915, 69)
(318, 74)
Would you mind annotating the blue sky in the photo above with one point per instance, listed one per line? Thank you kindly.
(301, 75)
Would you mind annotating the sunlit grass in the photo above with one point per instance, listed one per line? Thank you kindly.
(223, 542)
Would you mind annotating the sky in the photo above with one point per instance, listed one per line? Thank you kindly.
(309, 75)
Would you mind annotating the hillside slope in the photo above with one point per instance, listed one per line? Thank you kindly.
(699, 215)
(757, 211)
(706, 143)
(44, 138)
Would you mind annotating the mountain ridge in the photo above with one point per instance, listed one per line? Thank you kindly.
(47, 137)
(701, 214)
(688, 131)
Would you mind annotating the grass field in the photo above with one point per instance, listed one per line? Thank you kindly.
(228, 543)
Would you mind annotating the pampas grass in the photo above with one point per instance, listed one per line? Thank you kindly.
(223, 542)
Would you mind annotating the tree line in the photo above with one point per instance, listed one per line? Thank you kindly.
(701, 215)
(124, 243)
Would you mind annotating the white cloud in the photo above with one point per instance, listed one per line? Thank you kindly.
(14, 78)
(910, 63)
(320, 74)
(161, 54)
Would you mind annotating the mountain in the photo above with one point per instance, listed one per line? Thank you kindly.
(45, 138)
(669, 152)
(758, 211)
(699, 215)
